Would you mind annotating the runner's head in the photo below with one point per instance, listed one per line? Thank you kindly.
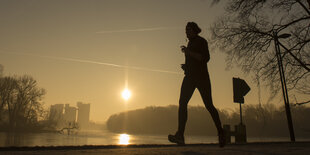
(192, 30)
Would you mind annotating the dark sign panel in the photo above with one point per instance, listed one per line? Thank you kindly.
(241, 88)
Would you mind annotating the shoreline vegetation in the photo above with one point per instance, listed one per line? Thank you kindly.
(22, 111)
(260, 120)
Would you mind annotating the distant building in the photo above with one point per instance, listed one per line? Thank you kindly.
(56, 112)
(70, 114)
(66, 115)
(83, 114)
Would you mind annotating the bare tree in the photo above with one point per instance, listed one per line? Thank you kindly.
(21, 97)
(247, 31)
(8, 87)
(28, 106)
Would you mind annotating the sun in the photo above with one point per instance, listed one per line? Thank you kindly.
(126, 94)
(124, 139)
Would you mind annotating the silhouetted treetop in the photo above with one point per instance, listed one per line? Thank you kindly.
(20, 101)
(246, 33)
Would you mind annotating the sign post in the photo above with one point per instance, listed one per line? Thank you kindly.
(240, 88)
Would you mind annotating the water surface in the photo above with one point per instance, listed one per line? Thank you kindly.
(102, 137)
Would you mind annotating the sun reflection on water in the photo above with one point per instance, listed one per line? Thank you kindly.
(124, 139)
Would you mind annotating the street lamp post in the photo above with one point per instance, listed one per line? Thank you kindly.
(283, 83)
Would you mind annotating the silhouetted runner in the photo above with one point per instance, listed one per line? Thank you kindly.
(196, 76)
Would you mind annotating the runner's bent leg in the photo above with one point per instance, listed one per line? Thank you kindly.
(204, 87)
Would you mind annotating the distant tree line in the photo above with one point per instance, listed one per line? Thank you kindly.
(261, 121)
(20, 102)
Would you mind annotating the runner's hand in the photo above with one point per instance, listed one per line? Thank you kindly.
(183, 49)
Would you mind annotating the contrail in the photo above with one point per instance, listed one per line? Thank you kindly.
(140, 30)
(94, 62)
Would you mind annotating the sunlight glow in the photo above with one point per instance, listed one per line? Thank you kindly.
(126, 94)
(124, 139)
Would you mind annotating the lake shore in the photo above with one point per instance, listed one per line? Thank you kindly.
(154, 149)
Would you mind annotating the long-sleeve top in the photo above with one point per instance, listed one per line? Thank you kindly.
(195, 67)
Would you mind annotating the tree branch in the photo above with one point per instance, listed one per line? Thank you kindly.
(282, 27)
(303, 6)
(298, 60)
(301, 103)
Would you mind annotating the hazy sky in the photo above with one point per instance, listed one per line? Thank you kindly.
(75, 49)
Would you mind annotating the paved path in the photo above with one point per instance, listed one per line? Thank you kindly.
(280, 148)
